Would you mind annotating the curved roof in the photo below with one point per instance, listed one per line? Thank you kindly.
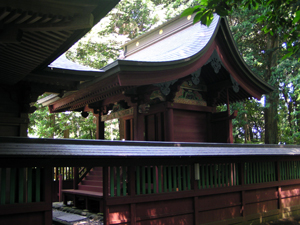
(177, 46)
(63, 63)
(170, 52)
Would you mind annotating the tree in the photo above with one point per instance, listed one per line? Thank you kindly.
(43, 124)
(280, 17)
(102, 45)
(266, 61)
(261, 27)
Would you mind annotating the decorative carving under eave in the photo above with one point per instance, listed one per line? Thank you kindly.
(165, 87)
(188, 94)
(118, 114)
(144, 108)
(215, 61)
(157, 95)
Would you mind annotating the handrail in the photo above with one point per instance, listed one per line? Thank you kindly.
(83, 172)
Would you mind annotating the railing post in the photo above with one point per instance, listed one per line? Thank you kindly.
(279, 187)
(242, 172)
(76, 178)
(132, 192)
(105, 195)
(60, 186)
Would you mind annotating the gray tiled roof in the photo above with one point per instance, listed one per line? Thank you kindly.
(180, 45)
(63, 63)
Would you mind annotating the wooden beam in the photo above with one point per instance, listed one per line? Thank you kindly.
(80, 22)
(138, 125)
(81, 3)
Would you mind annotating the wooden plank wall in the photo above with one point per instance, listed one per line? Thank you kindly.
(226, 193)
(190, 126)
(12, 122)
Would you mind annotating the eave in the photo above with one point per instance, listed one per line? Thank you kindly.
(130, 73)
(36, 32)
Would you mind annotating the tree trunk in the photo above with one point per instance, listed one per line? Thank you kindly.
(271, 113)
(271, 119)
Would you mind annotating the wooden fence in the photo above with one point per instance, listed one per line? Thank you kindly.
(154, 183)
(203, 192)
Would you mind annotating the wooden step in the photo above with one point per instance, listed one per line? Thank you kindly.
(83, 193)
(96, 173)
(93, 177)
(97, 169)
(90, 188)
(92, 182)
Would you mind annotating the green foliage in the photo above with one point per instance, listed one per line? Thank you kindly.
(112, 130)
(45, 125)
(266, 61)
(280, 16)
(128, 20)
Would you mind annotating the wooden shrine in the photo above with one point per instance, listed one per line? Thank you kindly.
(164, 90)
(168, 83)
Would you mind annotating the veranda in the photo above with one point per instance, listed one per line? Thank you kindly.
(155, 182)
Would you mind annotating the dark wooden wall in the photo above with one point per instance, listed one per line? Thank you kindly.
(16, 205)
(154, 127)
(190, 126)
(12, 121)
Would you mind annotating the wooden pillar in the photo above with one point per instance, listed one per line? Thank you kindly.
(279, 188)
(229, 122)
(169, 124)
(24, 124)
(196, 198)
(122, 128)
(242, 172)
(76, 177)
(100, 129)
(131, 193)
(138, 125)
(227, 103)
(60, 187)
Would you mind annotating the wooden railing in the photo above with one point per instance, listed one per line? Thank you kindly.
(260, 172)
(215, 175)
(147, 182)
(21, 185)
(66, 172)
(82, 172)
(289, 170)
